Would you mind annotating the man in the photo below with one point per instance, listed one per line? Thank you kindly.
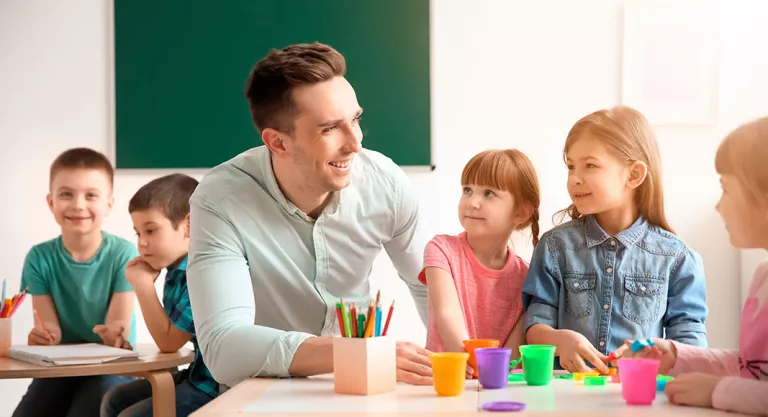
(283, 231)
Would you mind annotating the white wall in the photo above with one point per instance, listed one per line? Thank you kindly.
(504, 74)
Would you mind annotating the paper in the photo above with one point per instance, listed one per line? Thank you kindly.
(317, 396)
(78, 354)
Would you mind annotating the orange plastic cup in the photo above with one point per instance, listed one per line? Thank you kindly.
(449, 372)
(471, 345)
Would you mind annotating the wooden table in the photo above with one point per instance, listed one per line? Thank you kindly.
(152, 365)
(562, 397)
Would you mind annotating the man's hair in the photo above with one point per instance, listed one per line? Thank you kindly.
(169, 194)
(270, 85)
(82, 158)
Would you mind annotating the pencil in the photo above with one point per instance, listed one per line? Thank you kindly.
(360, 325)
(345, 318)
(389, 317)
(353, 319)
(378, 320)
(341, 319)
(371, 328)
(2, 298)
(39, 320)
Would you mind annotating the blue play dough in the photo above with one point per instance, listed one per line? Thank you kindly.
(661, 385)
(639, 344)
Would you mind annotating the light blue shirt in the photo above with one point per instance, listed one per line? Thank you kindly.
(643, 282)
(263, 276)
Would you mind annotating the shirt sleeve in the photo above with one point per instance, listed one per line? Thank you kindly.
(686, 301)
(406, 247)
(742, 395)
(32, 274)
(127, 252)
(181, 313)
(698, 359)
(541, 288)
(223, 305)
(435, 256)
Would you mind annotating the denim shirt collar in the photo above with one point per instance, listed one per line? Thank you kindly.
(596, 235)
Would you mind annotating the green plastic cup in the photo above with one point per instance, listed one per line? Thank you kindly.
(538, 363)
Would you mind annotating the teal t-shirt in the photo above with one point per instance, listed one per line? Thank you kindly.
(81, 291)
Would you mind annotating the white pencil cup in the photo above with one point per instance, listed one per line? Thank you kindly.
(5, 336)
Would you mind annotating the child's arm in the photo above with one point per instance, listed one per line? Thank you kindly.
(441, 292)
(741, 395)
(516, 337)
(45, 308)
(686, 301)
(167, 336)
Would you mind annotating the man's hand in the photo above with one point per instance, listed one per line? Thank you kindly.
(413, 365)
(40, 337)
(111, 335)
(573, 348)
(692, 389)
(140, 274)
(663, 350)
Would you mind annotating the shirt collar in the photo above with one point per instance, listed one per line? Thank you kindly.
(182, 266)
(268, 174)
(596, 235)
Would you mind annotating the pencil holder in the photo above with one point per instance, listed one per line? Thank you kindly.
(364, 366)
(5, 336)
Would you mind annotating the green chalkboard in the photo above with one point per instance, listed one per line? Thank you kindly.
(181, 69)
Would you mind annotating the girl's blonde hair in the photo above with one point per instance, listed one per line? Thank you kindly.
(744, 154)
(627, 134)
(508, 170)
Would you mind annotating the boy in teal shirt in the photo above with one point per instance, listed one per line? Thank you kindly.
(77, 283)
(160, 214)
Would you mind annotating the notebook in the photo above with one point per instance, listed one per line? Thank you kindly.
(78, 354)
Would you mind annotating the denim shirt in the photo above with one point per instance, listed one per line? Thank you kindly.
(643, 282)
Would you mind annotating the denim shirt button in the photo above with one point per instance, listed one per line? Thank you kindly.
(605, 307)
(609, 270)
(613, 243)
(642, 289)
(576, 285)
(602, 343)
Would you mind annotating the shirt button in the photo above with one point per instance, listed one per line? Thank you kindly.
(576, 285)
(605, 307)
(613, 243)
(609, 270)
(642, 288)
(602, 343)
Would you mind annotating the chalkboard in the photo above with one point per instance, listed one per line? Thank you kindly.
(181, 69)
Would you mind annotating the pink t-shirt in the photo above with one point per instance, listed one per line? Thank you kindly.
(490, 299)
(744, 387)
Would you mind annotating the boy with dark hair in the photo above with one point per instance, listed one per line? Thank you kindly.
(160, 214)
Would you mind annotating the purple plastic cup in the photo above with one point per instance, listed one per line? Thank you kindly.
(493, 367)
(638, 380)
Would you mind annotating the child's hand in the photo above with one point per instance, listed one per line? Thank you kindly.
(662, 349)
(692, 389)
(139, 273)
(41, 337)
(573, 348)
(111, 335)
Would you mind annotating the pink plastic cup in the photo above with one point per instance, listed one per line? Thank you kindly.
(638, 380)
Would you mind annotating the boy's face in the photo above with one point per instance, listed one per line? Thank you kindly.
(160, 244)
(80, 199)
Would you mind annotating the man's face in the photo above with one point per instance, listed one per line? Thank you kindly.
(326, 135)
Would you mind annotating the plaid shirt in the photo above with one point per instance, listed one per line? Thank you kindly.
(177, 306)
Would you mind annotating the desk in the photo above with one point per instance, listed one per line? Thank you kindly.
(291, 397)
(152, 365)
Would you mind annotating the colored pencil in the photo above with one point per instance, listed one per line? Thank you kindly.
(360, 324)
(353, 319)
(341, 319)
(389, 317)
(378, 320)
(2, 298)
(39, 320)
(345, 319)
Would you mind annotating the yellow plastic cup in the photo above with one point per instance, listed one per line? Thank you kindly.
(471, 345)
(449, 372)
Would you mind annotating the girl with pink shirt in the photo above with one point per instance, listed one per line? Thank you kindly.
(726, 379)
(474, 280)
